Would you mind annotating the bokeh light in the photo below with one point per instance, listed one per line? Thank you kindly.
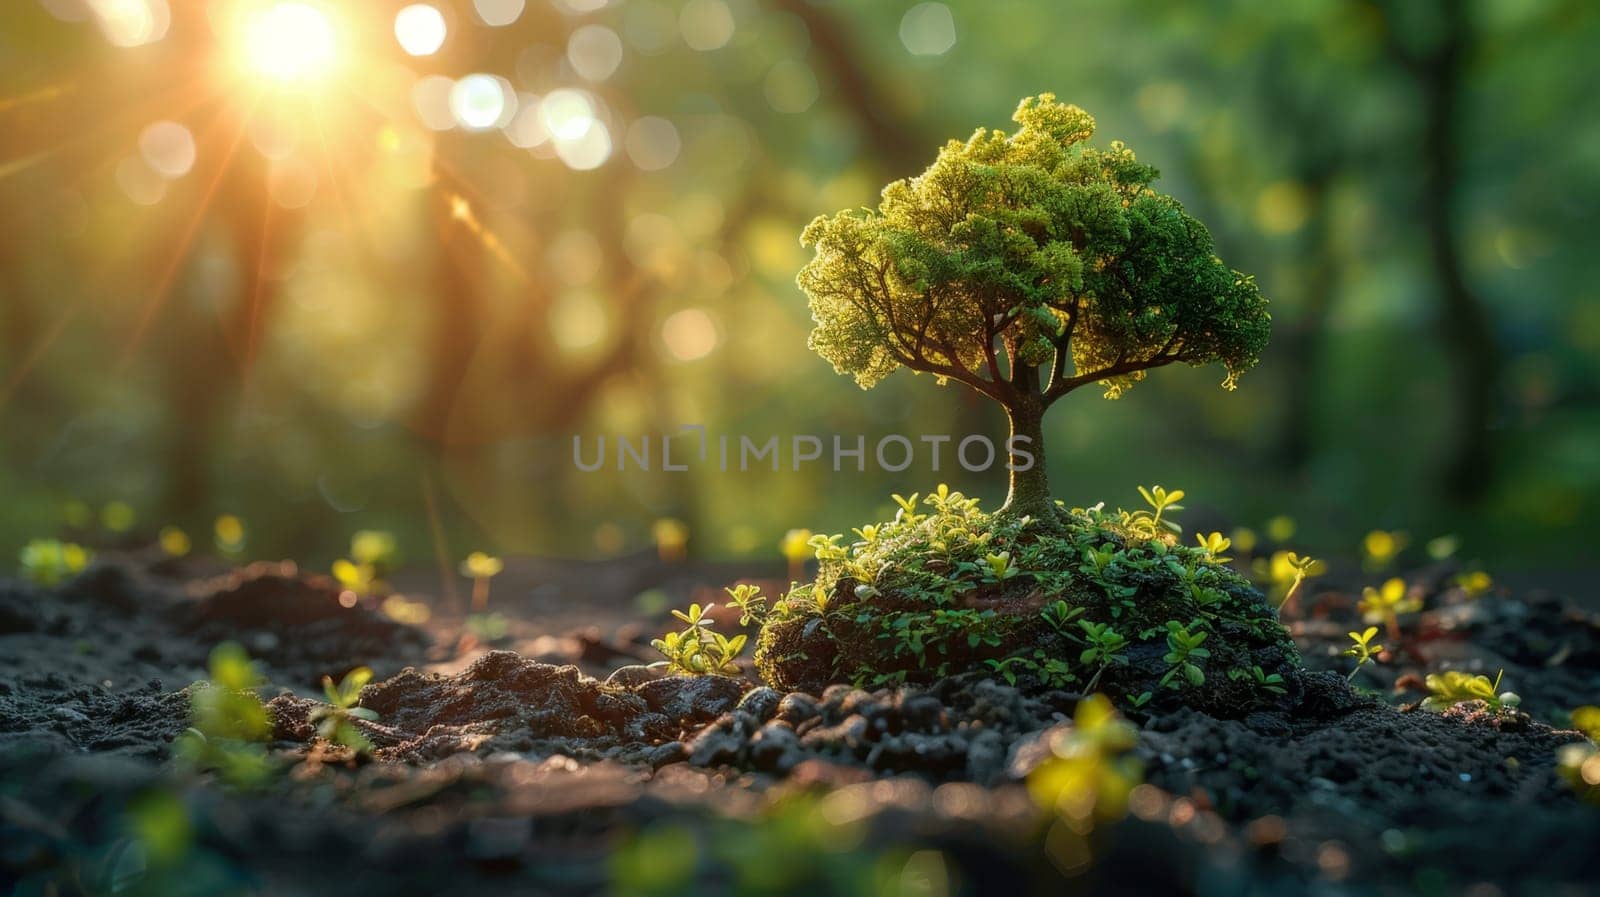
(168, 148)
(928, 29)
(652, 143)
(420, 29)
(479, 102)
(526, 129)
(567, 114)
(706, 24)
(595, 52)
(499, 13)
(131, 23)
(587, 151)
(689, 334)
(791, 87)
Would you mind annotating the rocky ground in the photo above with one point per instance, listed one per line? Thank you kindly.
(552, 762)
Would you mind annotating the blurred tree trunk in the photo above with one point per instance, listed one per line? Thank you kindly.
(1438, 69)
(209, 353)
(1303, 343)
(896, 144)
(459, 311)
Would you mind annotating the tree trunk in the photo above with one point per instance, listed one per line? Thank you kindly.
(1468, 333)
(1030, 488)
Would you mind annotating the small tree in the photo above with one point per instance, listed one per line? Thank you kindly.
(1026, 266)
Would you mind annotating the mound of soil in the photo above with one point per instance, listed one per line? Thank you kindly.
(296, 622)
(505, 702)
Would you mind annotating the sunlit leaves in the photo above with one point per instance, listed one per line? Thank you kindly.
(1035, 241)
(1362, 649)
(1453, 687)
(48, 562)
(699, 649)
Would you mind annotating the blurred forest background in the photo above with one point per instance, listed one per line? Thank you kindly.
(379, 279)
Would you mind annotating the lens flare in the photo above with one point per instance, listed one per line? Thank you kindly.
(288, 42)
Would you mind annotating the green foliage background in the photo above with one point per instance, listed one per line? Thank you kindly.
(1297, 131)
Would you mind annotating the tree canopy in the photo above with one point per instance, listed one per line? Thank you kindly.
(1016, 251)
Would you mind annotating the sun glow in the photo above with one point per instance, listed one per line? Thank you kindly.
(287, 42)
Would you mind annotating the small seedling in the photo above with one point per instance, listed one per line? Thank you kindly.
(488, 628)
(334, 720)
(672, 539)
(174, 542)
(1263, 680)
(1384, 605)
(229, 721)
(228, 532)
(1183, 650)
(359, 579)
(1162, 502)
(1000, 566)
(751, 603)
(1452, 687)
(1381, 547)
(1214, 545)
(1092, 769)
(1058, 614)
(796, 548)
(48, 562)
(377, 549)
(1362, 649)
(1293, 570)
(1103, 649)
(1586, 719)
(1475, 583)
(1444, 547)
(698, 649)
(480, 568)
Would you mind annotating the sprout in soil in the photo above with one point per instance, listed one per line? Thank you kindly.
(47, 562)
(480, 568)
(1453, 687)
(229, 534)
(1362, 649)
(796, 548)
(698, 649)
(174, 542)
(335, 720)
(1386, 604)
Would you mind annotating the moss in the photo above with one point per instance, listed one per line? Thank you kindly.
(946, 588)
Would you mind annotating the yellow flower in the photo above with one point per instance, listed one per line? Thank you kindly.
(1381, 547)
(229, 533)
(1476, 583)
(174, 542)
(479, 565)
(1382, 604)
(796, 546)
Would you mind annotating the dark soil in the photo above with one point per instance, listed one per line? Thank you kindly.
(494, 772)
